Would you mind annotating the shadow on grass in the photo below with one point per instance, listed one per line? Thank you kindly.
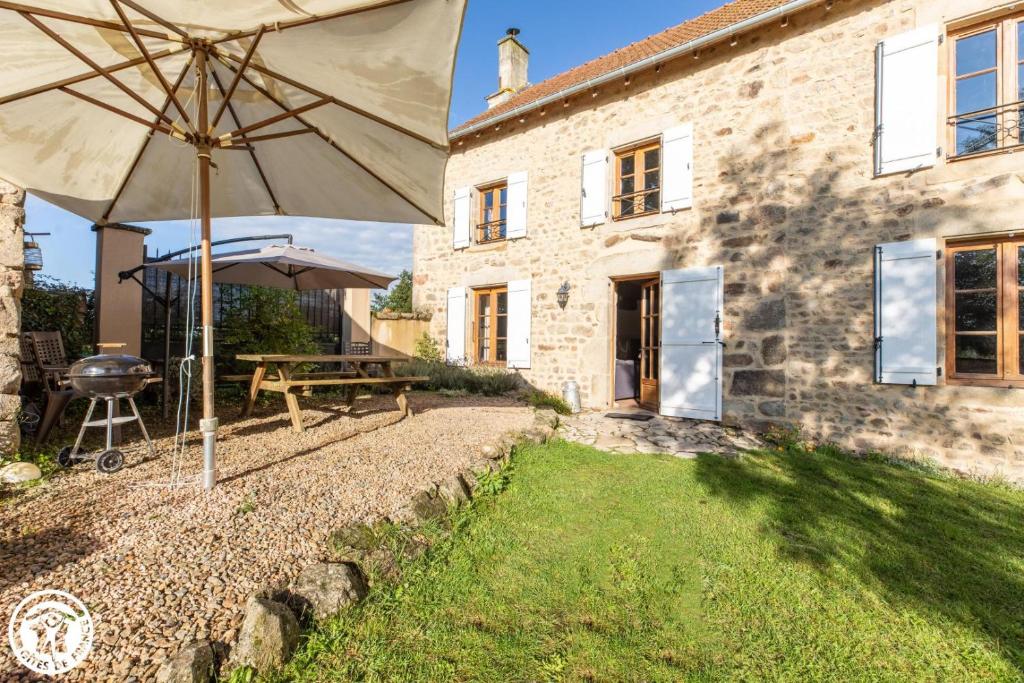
(925, 543)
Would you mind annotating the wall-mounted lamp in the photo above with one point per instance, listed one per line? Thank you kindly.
(562, 297)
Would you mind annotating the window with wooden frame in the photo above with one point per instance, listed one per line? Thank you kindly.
(986, 89)
(490, 325)
(637, 181)
(985, 312)
(493, 213)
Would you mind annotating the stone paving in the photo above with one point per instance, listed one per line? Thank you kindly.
(675, 436)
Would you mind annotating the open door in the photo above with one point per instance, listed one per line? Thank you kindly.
(691, 343)
(650, 343)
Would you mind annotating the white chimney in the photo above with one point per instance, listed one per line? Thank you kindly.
(513, 62)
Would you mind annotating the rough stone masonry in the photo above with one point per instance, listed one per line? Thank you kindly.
(12, 264)
(785, 199)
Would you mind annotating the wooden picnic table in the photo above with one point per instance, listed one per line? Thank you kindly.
(289, 382)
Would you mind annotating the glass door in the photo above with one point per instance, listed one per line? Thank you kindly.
(650, 343)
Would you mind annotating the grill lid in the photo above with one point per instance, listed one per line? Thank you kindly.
(111, 365)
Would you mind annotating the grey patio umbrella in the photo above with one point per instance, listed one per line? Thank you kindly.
(143, 110)
(286, 267)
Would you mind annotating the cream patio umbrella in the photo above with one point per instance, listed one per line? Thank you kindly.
(118, 110)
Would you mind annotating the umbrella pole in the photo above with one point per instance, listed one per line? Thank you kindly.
(208, 425)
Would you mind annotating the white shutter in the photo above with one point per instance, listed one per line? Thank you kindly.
(515, 225)
(593, 199)
(907, 68)
(677, 168)
(905, 316)
(690, 377)
(519, 314)
(456, 335)
(460, 233)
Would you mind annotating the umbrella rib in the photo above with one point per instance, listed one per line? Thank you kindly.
(74, 18)
(334, 100)
(115, 110)
(145, 144)
(236, 80)
(343, 152)
(287, 114)
(71, 80)
(150, 15)
(248, 140)
(252, 152)
(96, 67)
(152, 65)
(282, 25)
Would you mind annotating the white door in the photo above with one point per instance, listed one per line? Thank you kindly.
(691, 343)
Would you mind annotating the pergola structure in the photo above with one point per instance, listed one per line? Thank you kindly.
(334, 109)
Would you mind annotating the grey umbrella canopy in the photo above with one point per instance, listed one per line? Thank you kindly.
(285, 267)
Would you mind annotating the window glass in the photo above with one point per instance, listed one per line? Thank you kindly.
(975, 269)
(976, 53)
(976, 355)
(976, 93)
(628, 165)
(651, 158)
(976, 311)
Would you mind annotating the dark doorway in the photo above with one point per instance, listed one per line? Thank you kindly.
(628, 318)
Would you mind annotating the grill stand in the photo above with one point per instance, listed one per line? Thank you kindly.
(110, 460)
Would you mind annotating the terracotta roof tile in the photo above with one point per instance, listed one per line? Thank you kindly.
(722, 17)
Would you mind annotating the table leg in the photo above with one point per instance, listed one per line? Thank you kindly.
(290, 399)
(403, 401)
(254, 388)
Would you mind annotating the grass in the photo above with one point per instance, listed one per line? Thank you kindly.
(787, 565)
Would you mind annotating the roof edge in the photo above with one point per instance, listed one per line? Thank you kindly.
(665, 55)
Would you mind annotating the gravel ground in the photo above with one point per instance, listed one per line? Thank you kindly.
(158, 566)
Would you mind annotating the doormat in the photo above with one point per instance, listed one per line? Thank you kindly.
(639, 417)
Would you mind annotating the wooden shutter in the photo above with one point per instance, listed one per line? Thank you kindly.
(690, 377)
(456, 335)
(460, 233)
(906, 100)
(516, 203)
(593, 194)
(677, 168)
(519, 315)
(906, 295)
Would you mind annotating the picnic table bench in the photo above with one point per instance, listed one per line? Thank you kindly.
(291, 383)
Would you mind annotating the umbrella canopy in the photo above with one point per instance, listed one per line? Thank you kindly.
(126, 110)
(98, 100)
(285, 267)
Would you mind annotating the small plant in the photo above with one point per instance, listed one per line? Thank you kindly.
(243, 674)
(542, 399)
(428, 349)
(247, 505)
(490, 483)
(786, 439)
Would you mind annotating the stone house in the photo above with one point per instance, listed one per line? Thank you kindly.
(799, 212)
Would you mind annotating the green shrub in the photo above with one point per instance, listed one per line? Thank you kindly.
(266, 320)
(52, 305)
(427, 349)
(542, 399)
(449, 378)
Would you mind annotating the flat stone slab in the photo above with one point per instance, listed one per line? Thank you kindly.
(679, 437)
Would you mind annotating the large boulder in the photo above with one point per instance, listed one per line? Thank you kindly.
(268, 636)
(322, 590)
(18, 472)
(453, 490)
(351, 543)
(193, 663)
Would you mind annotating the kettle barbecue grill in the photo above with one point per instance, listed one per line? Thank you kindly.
(107, 378)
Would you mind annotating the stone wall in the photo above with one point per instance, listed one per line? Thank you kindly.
(784, 199)
(12, 262)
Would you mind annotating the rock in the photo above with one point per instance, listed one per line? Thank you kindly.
(768, 383)
(773, 350)
(192, 664)
(268, 636)
(428, 505)
(469, 476)
(490, 452)
(453, 490)
(769, 315)
(351, 542)
(17, 472)
(322, 590)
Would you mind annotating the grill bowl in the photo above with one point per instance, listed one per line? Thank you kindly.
(110, 375)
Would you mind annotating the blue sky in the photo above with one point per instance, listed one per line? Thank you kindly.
(559, 34)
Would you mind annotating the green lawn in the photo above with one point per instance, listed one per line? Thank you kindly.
(780, 566)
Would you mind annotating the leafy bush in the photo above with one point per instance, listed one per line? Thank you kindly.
(542, 399)
(486, 381)
(398, 298)
(427, 349)
(266, 320)
(53, 305)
